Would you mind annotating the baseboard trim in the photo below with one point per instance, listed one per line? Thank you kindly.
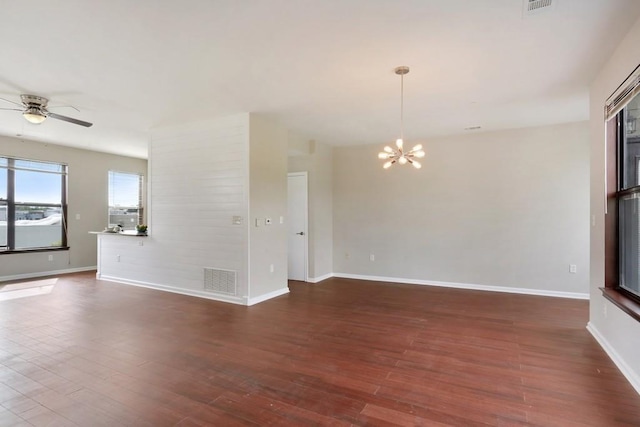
(267, 296)
(470, 286)
(629, 374)
(46, 273)
(172, 289)
(320, 278)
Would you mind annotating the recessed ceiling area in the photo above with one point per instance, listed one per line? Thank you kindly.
(323, 68)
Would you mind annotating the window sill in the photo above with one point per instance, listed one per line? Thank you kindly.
(621, 300)
(28, 251)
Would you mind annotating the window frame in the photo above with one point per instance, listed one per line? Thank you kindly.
(11, 206)
(626, 300)
(141, 198)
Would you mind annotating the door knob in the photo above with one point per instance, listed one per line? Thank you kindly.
(300, 233)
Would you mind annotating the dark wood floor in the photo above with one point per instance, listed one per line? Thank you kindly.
(342, 352)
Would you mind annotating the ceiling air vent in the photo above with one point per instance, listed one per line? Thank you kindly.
(531, 7)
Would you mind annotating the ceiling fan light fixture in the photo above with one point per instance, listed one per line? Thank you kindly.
(34, 115)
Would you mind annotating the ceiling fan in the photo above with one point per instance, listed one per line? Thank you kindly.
(34, 110)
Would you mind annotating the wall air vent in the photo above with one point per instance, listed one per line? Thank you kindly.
(220, 281)
(531, 7)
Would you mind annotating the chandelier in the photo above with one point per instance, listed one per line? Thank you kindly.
(397, 154)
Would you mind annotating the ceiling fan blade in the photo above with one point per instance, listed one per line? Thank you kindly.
(12, 109)
(12, 102)
(69, 119)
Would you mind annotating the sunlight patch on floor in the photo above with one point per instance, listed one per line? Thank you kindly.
(27, 289)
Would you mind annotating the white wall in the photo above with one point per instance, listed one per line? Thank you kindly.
(87, 197)
(503, 210)
(317, 159)
(202, 175)
(268, 199)
(616, 331)
(198, 176)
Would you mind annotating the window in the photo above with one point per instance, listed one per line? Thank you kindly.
(125, 199)
(33, 205)
(629, 197)
(622, 222)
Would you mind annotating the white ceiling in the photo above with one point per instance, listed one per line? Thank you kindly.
(324, 68)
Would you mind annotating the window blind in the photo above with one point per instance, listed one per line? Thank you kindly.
(623, 94)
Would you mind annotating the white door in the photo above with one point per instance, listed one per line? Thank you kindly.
(297, 225)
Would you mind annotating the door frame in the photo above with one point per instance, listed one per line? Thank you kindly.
(305, 175)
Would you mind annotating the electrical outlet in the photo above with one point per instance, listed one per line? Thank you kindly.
(573, 268)
(271, 268)
(372, 257)
(50, 257)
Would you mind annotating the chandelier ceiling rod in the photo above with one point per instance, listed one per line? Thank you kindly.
(402, 71)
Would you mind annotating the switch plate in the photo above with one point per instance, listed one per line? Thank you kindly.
(372, 257)
(77, 216)
(281, 220)
(573, 268)
(236, 220)
(50, 257)
(259, 222)
(271, 268)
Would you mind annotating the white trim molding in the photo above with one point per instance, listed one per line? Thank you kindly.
(629, 374)
(47, 273)
(193, 293)
(267, 296)
(320, 278)
(182, 291)
(470, 286)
